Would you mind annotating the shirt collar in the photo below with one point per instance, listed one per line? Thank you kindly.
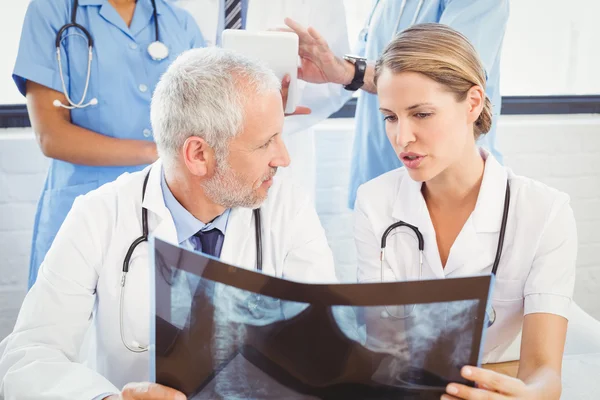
(91, 2)
(185, 223)
(159, 4)
(487, 215)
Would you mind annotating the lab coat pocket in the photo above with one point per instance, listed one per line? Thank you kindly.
(506, 290)
(507, 300)
(136, 305)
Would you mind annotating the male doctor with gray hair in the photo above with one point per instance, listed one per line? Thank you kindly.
(217, 119)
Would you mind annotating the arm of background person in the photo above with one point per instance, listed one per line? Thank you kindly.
(59, 138)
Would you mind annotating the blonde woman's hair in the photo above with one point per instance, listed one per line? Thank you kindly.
(442, 54)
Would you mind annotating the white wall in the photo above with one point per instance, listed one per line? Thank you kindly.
(22, 174)
(550, 46)
(562, 151)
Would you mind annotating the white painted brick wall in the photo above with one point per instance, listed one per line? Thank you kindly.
(562, 151)
(22, 174)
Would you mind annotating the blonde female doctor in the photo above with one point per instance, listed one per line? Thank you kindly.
(431, 89)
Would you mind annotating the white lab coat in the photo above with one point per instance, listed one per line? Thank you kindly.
(78, 284)
(329, 19)
(536, 273)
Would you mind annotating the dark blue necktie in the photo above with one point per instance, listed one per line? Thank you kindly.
(209, 241)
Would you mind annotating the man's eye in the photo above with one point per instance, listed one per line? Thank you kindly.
(264, 146)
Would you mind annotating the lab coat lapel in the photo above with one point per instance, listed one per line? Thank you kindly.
(410, 207)
(160, 221)
(471, 252)
(108, 12)
(466, 251)
(143, 16)
(237, 250)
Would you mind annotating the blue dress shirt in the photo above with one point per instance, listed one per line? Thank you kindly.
(187, 225)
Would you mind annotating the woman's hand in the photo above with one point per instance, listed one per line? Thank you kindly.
(147, 391)
(490, 386)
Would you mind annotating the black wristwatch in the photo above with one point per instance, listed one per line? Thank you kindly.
(360, 66)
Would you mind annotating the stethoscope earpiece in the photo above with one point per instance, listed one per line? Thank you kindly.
(58, 103)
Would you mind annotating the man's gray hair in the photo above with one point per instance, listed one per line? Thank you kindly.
(203, 93)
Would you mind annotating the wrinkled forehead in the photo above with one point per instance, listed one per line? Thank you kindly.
(262, 117)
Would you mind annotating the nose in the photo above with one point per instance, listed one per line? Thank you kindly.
(404, 133)
(282, 157)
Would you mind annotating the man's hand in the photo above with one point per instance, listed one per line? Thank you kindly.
(490, 386)
(147, 391)
(318, 63)
(285, 87)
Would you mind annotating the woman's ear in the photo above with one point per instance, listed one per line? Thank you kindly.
(198, 156)
(475, 101)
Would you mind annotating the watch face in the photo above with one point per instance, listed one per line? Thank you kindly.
(352, 58)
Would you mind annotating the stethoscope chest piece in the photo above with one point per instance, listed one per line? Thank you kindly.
(158, 51)
(491, 316)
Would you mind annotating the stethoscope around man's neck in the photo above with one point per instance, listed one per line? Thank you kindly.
(157, 50)
(135, 346)
(490, 311)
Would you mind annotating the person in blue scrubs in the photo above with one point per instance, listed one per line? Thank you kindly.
(483, 22)
(93, 145)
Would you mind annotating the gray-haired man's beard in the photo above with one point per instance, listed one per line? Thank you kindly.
(229, 189)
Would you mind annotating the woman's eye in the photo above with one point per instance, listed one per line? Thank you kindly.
(389, 118)
(422, 115)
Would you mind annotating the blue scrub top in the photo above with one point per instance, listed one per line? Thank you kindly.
(123, 78)
(483, 22)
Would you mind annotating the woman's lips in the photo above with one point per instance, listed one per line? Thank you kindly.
(411, 160)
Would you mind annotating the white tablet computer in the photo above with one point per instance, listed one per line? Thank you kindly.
(279, 50)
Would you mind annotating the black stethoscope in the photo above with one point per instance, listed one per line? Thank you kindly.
(491, 311)
(157, 50)
(137, 348)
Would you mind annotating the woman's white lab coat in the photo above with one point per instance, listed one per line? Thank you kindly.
(79, 280)
(536, 273)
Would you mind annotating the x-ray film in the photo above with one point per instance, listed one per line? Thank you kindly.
(223, 332)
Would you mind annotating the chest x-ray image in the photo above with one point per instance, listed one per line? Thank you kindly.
(222, 332)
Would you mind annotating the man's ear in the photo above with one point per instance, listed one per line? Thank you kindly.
(475, 102)
(198, 156)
